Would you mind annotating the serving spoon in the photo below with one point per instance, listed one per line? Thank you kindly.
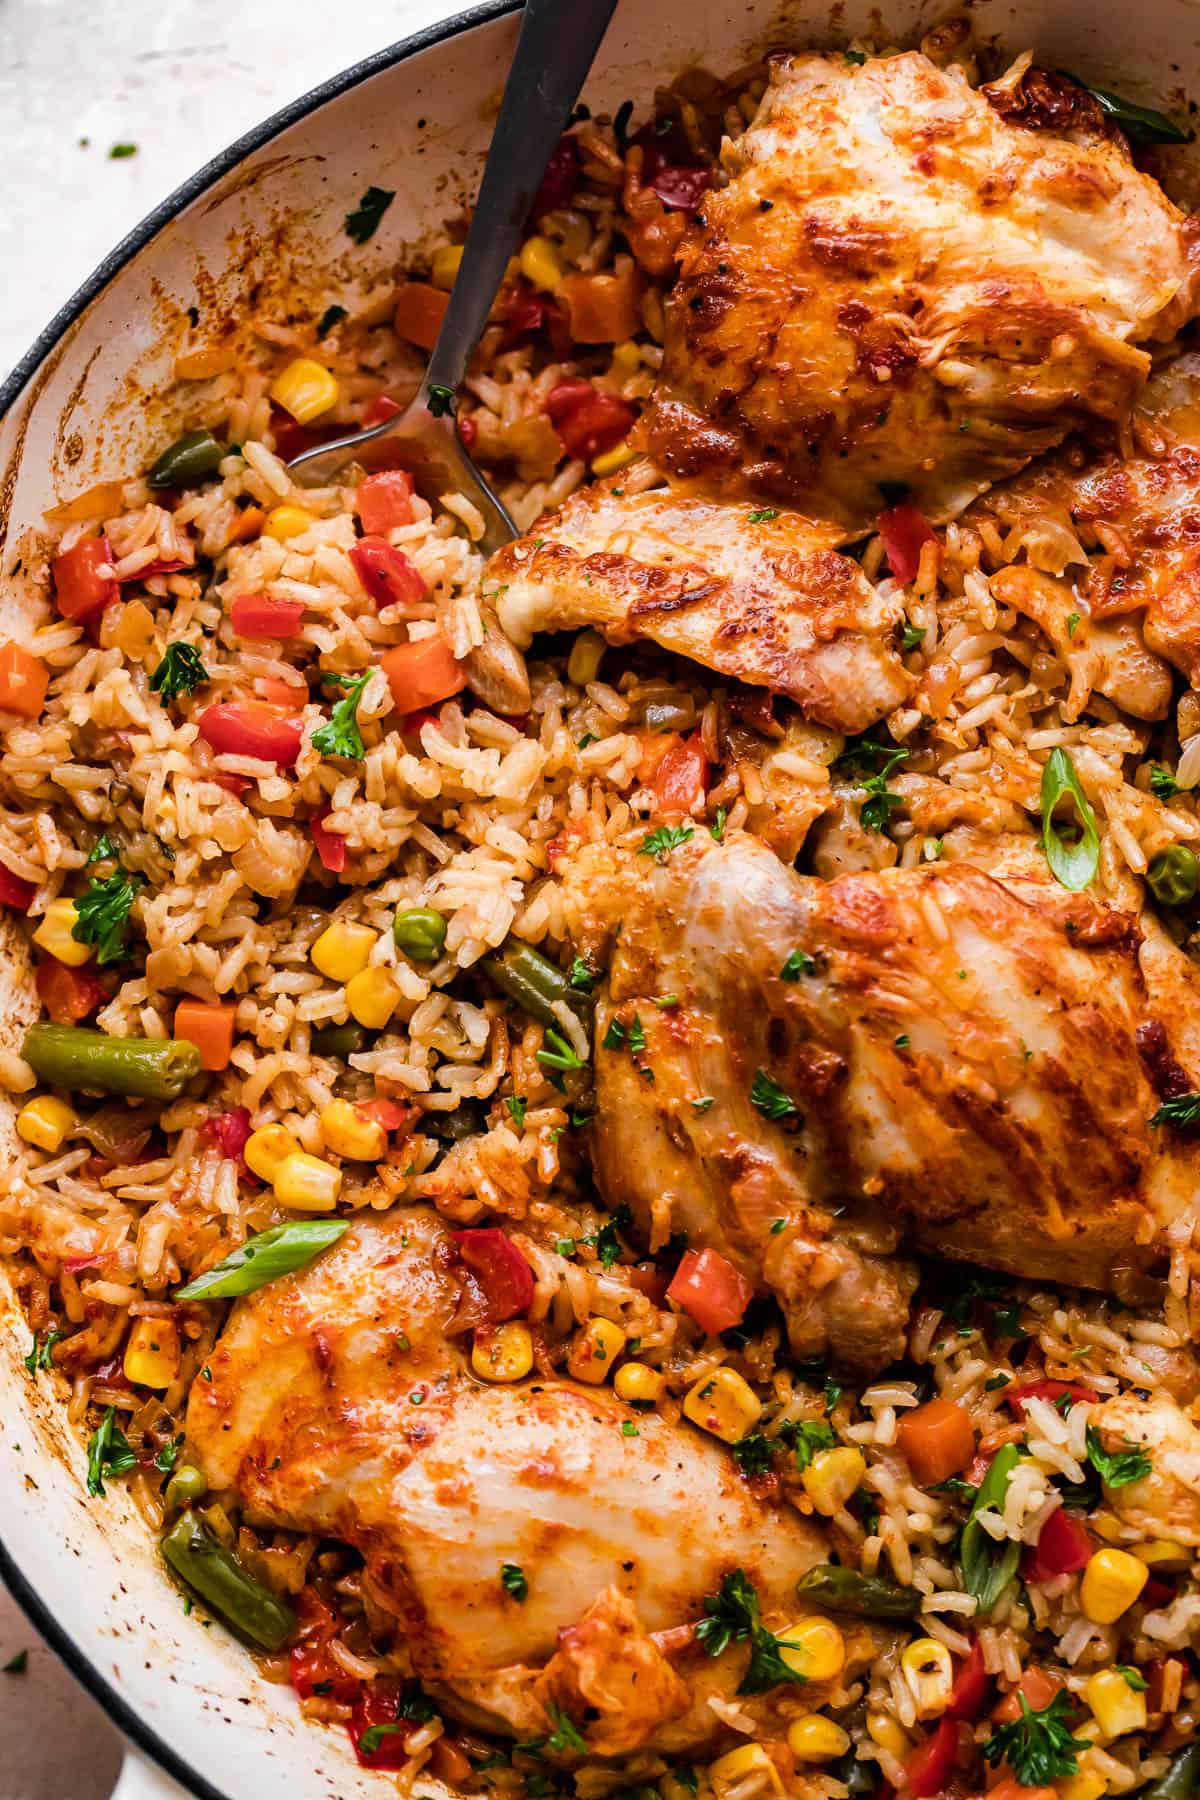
(557, 43)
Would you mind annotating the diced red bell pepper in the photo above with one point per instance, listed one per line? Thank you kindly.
(384, 500)
(904, 531)
(311, 1667)
(393, 1115)
(1062, 1547)
(79, 588)
(14, 892)
(1052, 1391)
(681, 777)
(972, 1684)
(379, 1704)
(68, 994)
(667, 169)
(331, 845)
(501, 1271)
(292, 439)
(929, 1767)
(382, 407)
(558, 183)
(229, 1131)
(74, 1264)
(390, 577)
(239, 728)
(468, 431)
(158, 567)
(258, 616)
(525, 312)
(588, 421)
(710, 1290)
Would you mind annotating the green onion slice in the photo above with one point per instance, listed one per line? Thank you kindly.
(1073, 864)
(280, 1251)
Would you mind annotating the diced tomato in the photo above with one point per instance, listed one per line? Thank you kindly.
(239, 728)
(390, 577)
(14, 892)
(468, 431)
(311, 1667)
(420, 309)
(904, 530)
(382, 407)
(588, 421)
(278, 692)
(67, 994)
(79, 588)
(229, 1131)
(501, 1271)
(422, 673)
(680, 778)
(293, 440)
(1062, 1547)
(331, 845)
(258, 616)
(23, 681)
(75, 1264)
(668, 170)
(929, 1767)
(710, 1290)
(558, 183)
(384, 501)
(393, 1115)
(378, 1704)
(1052, 1391)
(938, 1440)
(972, 1683)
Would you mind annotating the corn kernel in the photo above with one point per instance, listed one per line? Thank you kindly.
(347, 1133)
(637, 1381)
(1117, 1707)
(587, 652)
(284, 522)
(540, 263)
(883, 1730)
(307, 1183)
(343, 951)
(813, 1648)
(815, 1739)
(266, 1148)
(671, 1788)
(54, 935)
(152, 1353)
(747, 1759)
(595, 1350)
(46, 1122)
(831, 1478)
(304, 389)
(626, 361)
(372, 996)
(929, 1673)
(1111, 1583)
(724, 1404)
(1087, 1784)
(446, 259)
(1162, 1553)
(505, 1354)
(611, 460)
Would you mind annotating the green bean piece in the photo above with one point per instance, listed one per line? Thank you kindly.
(188, 1483)
(532, 980)
(1179, 1781)
(339, 1040)
(71, 1057)
(420, 933)
(190, 459)
(1174, 875)
(220, 1580)
(867, 1596)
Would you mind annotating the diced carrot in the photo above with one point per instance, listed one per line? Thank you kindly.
(938, 1439)
(420, 309)
(1009, 1788)
(23, 681)
(208, 1025)
(1039, 1689)
(249, 524)
(604, 308)
(422, 673)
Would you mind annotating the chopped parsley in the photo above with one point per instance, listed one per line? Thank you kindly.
(119, 152)
(108, 1452)
(806, 1437)
(340, 736)
(1038, 1747)
(798, 963)
(1072, 623)
(516, 1105)
(168, 1455)
(753, 1454)
(333, 315)
(1074, 858)
(660, 843)
(858, 59)
(1116, 1468)
(566, 1735)
(1162, 783)
(560, 1058)
(703, 1105)
(880, 803)
(1182, 1110)
(777, 1226)
(103, 850)
(102, 915)
(374, 1735)
(1132, 1678)
(180, 672)
(731, 1616)
(762, 515)
(16, 1665)
(629, 1429)
(512, 1580)
(363, 222)
(581, 977)
(903, 1041)
(717, 829)
(769, 1098)
(40, 1358)
(912, 637)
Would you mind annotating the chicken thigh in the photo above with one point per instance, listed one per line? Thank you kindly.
(933, 1057)
(338, 1406)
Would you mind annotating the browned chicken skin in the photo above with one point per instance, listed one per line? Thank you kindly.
(958, 1071)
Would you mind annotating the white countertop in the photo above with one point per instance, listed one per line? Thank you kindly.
(180, 79)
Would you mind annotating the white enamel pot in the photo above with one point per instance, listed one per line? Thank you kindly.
(262, 222)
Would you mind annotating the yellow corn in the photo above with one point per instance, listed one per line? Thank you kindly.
(671, 1788)
(583, 664)
(152, 1353)
(595, 1350)
(284, 522)
(832, 1477)
(814, 1648)
(1111, 1583)
(445, 266)
(1087, 1784)
(885, 1732)
(540, 263)
(1117, 1707)
(815, 1739)
(372, 996)
(307, 1183)
(929, 1672)
(46, 1122)
(505, 1354)
(54, 935)
(347, 1133)
(304, 389)
(611, 460)
(724, 1404)
(1162, 1553)
(637, 1381)
(343, 951)
(735, 1765)
(266, 1148)
(626, 361)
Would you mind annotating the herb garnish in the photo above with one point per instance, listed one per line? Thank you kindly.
(881, 802)
(1038, 1747)
(102, 915)
(363, 223)
(559, 1057)
(581, 977)
(340, 735)
(1073, 864)
(1181, 1110)
(16, 1665)
(103, 850)
(516, 1105)
(660, 843)
(180, 672)
(717, 829)
(912, 637)
(807, 1436)
(168, 1455)
(565, 1735)
(40, 1359)
(1162, 783)
(798, 963)
(730, 1617)
(1141, 124)
(989, 1565)
(1116, 1468)
(762, 515)
(769, 1098)
(109, 1453)
(512, 1580)
(753, 1454)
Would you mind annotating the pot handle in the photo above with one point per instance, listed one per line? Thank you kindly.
(141, 1780)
